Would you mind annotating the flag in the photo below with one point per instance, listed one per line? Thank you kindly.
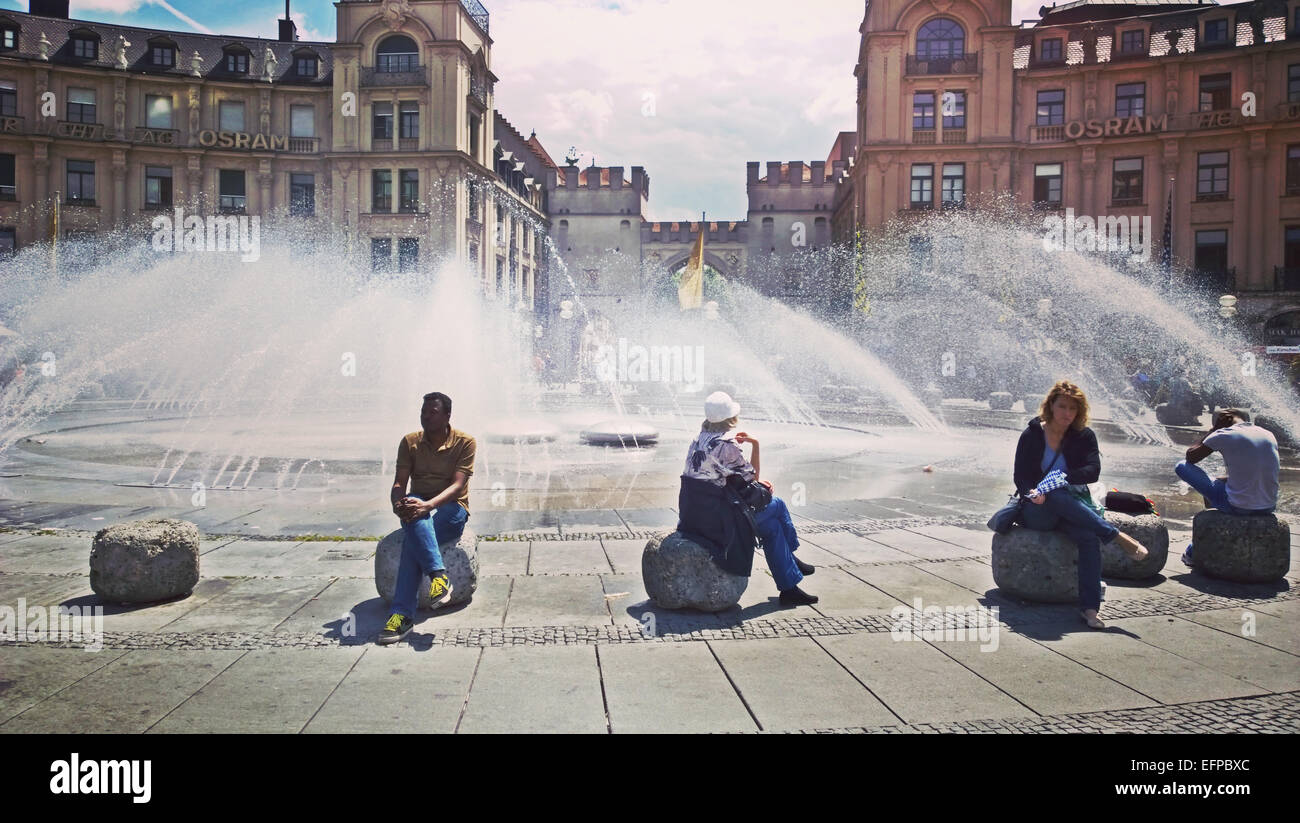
(1167, 242)
(691, 291)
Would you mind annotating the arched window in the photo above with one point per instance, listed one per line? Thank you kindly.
(397, 53)
(940, 38)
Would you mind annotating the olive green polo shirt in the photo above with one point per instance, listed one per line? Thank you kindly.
(432, 471)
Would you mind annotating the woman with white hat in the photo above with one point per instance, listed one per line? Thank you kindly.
(713, 458)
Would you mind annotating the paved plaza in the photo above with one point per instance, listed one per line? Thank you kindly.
(278, 636)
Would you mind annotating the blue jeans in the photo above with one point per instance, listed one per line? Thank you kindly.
(1215, 491)
(1064, 512)
(420, 552)
(779, 543)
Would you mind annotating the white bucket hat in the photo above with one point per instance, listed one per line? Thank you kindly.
(719, 406)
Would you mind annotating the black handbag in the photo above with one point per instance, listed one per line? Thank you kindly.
(1129, 503)
(754, 494)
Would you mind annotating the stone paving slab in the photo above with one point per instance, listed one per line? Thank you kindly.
(919, 682)
(270, 691)
(816, 555)
(626, 598)
(792, 683)
(530, 690)
(30, 674)
(155, 616)
(557, 601)
(915, 508)
(127, 696)
(1237, 657)
(1153, 672)
(975, 575)
(326, 613)
(1272, 631)
(919, 545)
(1285, 609)
(250, 605)
(1042, 679)
(840, 593)
(486, 609)
(568, 557)
(399, 690)
(624, 555)
(655, 519)
(977, 540)
(855, 548)
(584, 521)
(906, 583)
(42, 589)
(502, 557)
(835, 511)
(670, 689)
(245, 558)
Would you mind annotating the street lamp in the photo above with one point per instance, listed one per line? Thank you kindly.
(1228, 306)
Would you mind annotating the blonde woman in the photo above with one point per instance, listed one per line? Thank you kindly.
(1059, 440)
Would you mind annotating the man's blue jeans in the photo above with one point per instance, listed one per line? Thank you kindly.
(779, 543)
(420, 552)
(1213, 490)
(1064, 512)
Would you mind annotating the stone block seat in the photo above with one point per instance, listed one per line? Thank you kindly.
(1043, 566)
(1254, 548)
(680, 574)
(459, 557)
(1001, 401)
(145, 561)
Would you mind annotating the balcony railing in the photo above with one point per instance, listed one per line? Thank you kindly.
(1046, 134)
(956, 64)
(371, 77)
(952, 136)
(923, 137)
(476, 13)
(1286, 278)
(408, 143)
(304, 145)
(381, 144)
(1211, 196)
(478, 90)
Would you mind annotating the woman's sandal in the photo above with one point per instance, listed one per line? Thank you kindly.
(1131, 547)
(1094, 622)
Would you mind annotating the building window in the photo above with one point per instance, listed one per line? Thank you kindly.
(85, 47)
(162, 56)
(231, 115)
(1132, 42)
(821, 233)
(957, 119)
(409, 120)
(1126, 188)
(157, 187)
(381, 253)
(81, 182)
(8, 99)
(397, 53)
(501, 277)
(236, 62)
(1047, 185)
(769, 232)
(158, 111)
(302, 121)
(1049, 50)
(408, 254)
(231, 192)
(302, 194)
(954, 185)
(1212, 251)
(9, 38)
(1293, 83)
(472, 192)
(410, 190)
(306, 65)
(8, 240)
(1215, 92)
(81, 105)
(382, 120)
(473, 137)
(922, 185)
(381, 191)
(8, 177)
(1293, 169)
(923, 110)
(940, 38)
(1051, 107)
(1216, 31)
(1130, 99)
(1212, 175)
(1290, 280)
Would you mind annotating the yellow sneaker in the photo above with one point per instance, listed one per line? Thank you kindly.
(439, 591)
(398, 627)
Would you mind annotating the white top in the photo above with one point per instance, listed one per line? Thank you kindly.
(1250, 453)
(714, 456)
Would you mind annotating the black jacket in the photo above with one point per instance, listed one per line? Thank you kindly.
(1082, 457)
(715, 518)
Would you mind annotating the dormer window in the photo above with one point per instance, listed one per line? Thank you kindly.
(1050, 50)
(236, 62)
(306, 65)
(1216, 31)
(1132, 42)
(162, 55)
(86, 48)
(8, 36)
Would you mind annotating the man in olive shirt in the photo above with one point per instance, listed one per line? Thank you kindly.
(437, 462)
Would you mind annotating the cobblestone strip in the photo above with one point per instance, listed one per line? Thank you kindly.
(1272, 713)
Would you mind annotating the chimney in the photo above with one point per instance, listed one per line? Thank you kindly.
(288, 30)
(50, 8)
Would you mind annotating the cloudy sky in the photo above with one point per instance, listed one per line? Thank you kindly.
(690, 89)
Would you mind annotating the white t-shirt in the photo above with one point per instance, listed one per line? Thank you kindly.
(1250, 453)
